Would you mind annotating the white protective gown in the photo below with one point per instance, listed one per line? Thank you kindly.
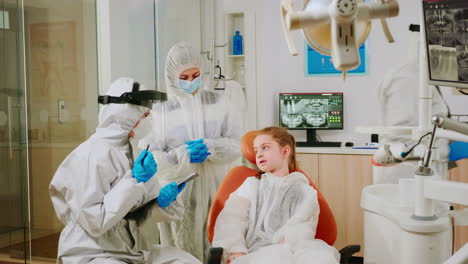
(398, 98)
(207, 115)
(261, 213)
(100, 203)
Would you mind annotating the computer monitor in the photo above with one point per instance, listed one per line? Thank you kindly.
(311, 112)
(446, 29)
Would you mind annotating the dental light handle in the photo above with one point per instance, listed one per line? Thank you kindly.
(382, 10)
(345, 52)
(303, 19)
(450, 124)
(286, 12)
(378, 10)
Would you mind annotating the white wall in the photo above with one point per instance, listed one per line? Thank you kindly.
(176, 20)
(278, 72)
(143, 31)
(132, 40)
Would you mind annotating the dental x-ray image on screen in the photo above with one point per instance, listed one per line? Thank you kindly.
(446, 24)
(315, 111)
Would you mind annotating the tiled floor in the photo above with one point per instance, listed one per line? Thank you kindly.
(44, 248)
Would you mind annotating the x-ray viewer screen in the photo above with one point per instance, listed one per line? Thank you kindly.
(446, 24)
(311, 110)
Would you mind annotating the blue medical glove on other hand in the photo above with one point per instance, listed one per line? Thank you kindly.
(144, 167)
(458, 151)
(197, 150)
(168, 194)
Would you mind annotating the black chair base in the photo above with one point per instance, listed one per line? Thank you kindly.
(346, 253)
(215, 256)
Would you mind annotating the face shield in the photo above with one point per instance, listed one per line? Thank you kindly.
(143, 98)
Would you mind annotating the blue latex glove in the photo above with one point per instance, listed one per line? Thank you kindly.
(168, 194)
(458, 151)
(197, 150)
(144, 167)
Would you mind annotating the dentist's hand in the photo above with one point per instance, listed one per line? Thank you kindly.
(144, 167)
(197, 150)
(168, 194)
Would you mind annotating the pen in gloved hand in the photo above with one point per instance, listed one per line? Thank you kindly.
(143, 159)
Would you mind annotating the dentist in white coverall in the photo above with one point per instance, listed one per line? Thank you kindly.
(398, 98)
(103, 197)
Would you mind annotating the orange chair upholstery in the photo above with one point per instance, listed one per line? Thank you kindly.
(326, 228)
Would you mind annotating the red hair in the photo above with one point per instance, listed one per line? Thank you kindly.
(283, 138)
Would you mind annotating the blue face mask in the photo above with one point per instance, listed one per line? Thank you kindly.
(190, 87)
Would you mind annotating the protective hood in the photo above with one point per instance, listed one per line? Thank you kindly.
(182, 56)
(117, 120)
(214, 117)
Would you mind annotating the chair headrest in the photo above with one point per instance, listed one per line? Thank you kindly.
(247, 145)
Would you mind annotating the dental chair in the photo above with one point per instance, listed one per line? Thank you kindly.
(326, 227)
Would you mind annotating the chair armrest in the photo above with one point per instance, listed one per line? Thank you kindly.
(215, 256)
(347, 253)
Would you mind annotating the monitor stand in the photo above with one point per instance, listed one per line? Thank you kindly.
(312, 141)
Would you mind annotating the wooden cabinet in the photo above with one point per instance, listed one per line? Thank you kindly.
(341, 179)
(460, 174)
(309, 164)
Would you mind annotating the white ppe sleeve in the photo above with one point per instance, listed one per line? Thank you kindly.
(167, 159)
(223, 150)
(232, 224)
(227, 148)
(88, 190)
(303, 223)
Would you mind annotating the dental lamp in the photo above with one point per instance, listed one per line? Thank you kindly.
(336, 28)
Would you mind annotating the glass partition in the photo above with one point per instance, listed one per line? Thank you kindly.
(13, 201)
(48, 106)
(185, 20)
(48, 94)
(62, 85)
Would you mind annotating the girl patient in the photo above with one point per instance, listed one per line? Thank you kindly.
(272, 218)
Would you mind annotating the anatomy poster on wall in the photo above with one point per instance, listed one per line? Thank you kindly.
(53, 51)
(321, 65)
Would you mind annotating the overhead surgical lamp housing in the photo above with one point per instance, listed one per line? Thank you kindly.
(336, 28)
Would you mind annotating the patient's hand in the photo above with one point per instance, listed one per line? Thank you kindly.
(233, 256)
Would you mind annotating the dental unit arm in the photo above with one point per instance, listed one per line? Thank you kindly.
(428, 189)
(392, 154)
(425, 236)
